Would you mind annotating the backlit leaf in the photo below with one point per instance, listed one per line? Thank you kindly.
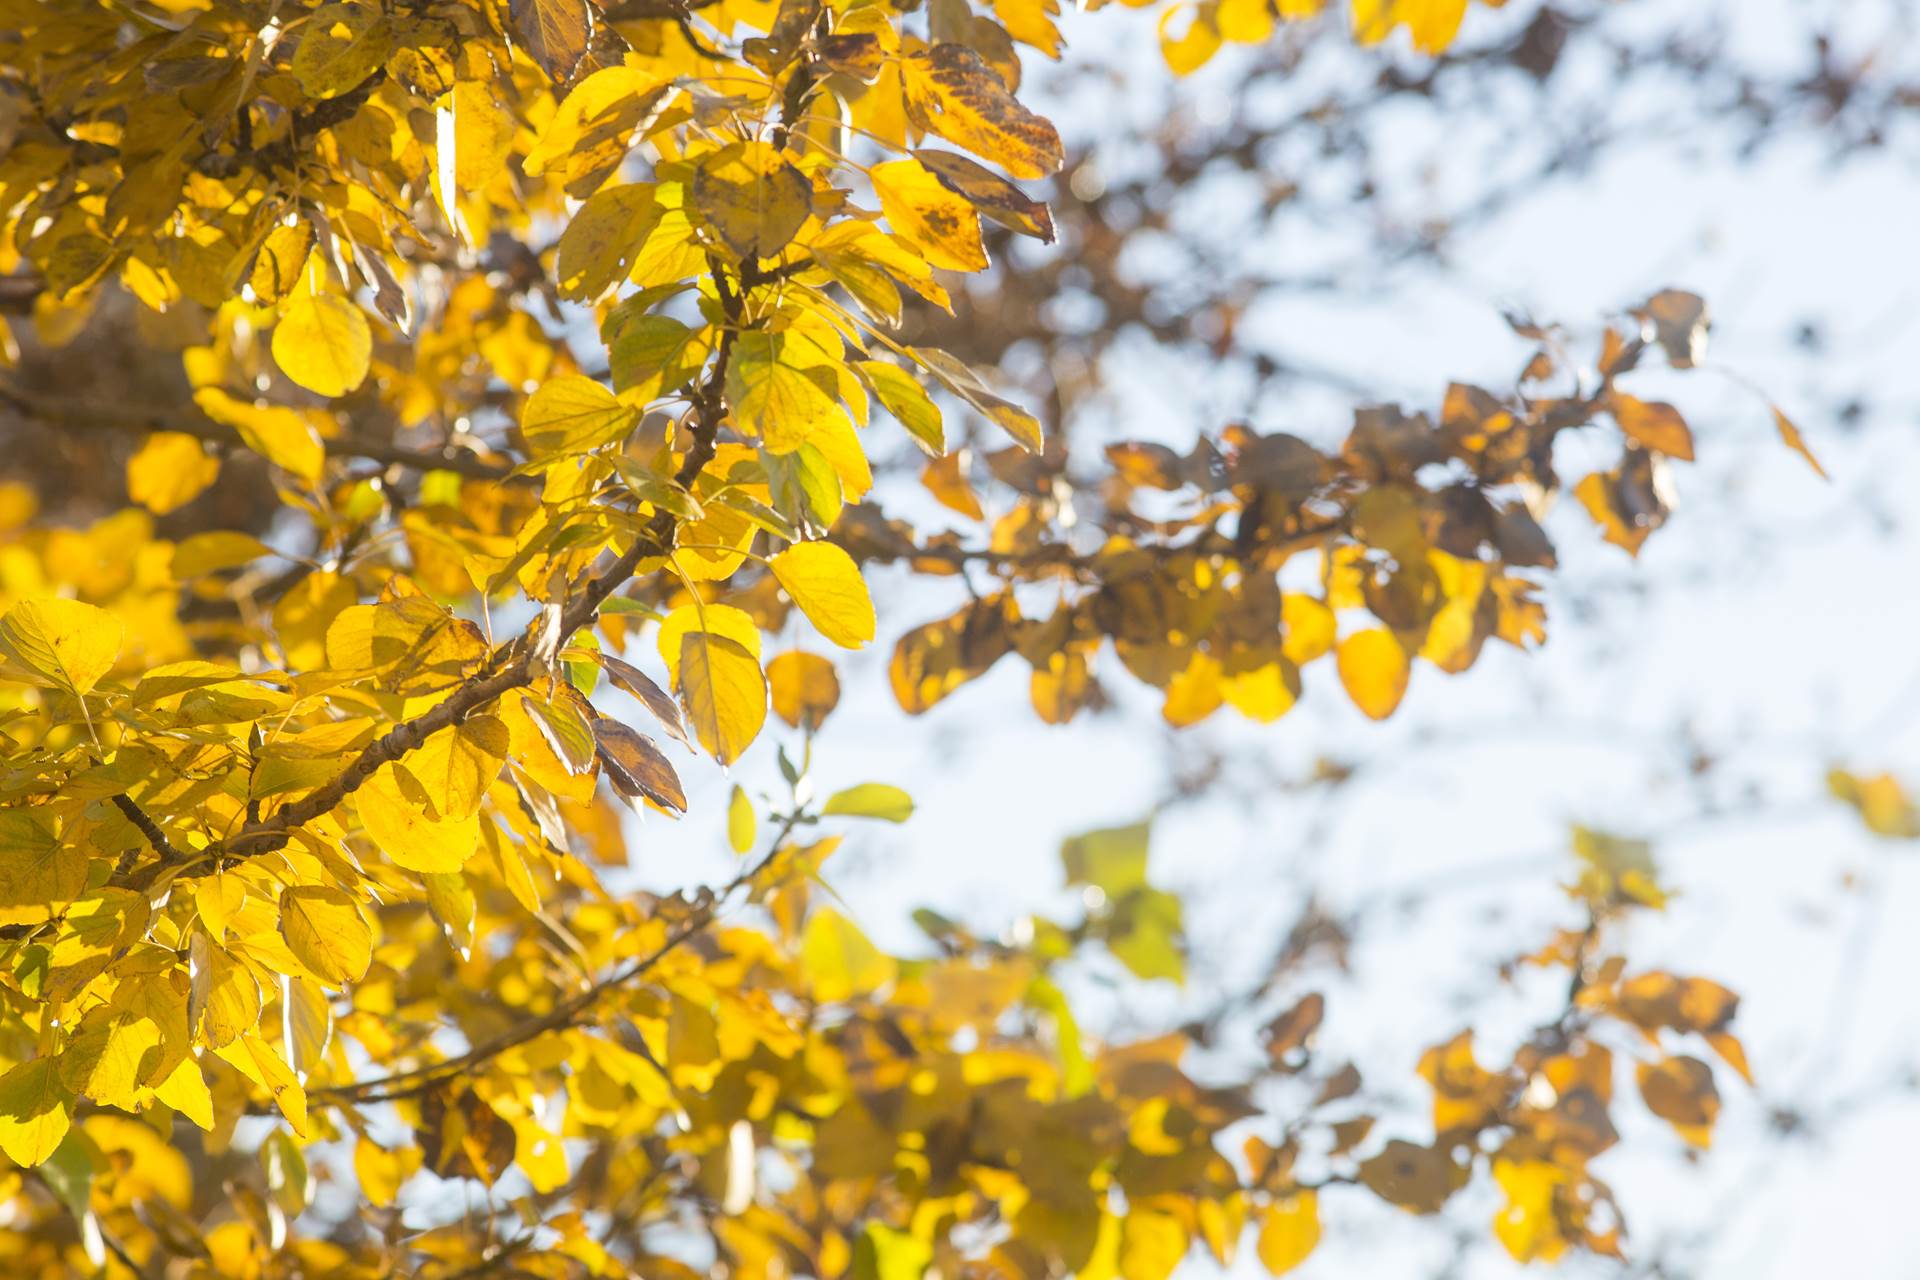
(325, 931)
(62, 643)
(323, 344)
(871, 800)
(1374, 668)
(825, 582)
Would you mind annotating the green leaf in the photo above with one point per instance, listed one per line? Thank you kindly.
(907, 401)
(1113, 860)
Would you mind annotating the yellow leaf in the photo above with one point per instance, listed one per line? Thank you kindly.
(840, 960)
(1194, 692)
(285, 437)
(1195, 46)
(1527, 1226)
(211, 552)
(458, 764)
(929, 216)
(326, 933)
(1289, 1230)
(952, 91)
(61, 643)
(226, 996)
(724, 691)
(185, 1090)
(603, 239)
(170, 470)
(571, 414)
(35, 1112)
(592, 126)
(103, 1062)
(1374, 668)
(277, 268)
(483, 133)
(1245, 21)
(379, 1172)
(736, 625)
(805, 688)
(401, 826)
(740, 820)
(1306, 628)
(824, 581)
(991, 195)
(255, 1059)
(1264, 694)
(907, 401)
(323, 344)
(1432, 23)
(1791, 437)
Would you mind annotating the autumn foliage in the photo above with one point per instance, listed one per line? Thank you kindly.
(569, 339)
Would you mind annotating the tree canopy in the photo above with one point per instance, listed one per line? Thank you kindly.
(555, 348)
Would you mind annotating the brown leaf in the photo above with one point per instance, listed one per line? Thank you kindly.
(634, 681)
(1294, 1028)
(995, 197)
(1678, 321)
(555, 33)
(1418, 1179)
(462, 1137)
(1680, 1090)
(1653, 423)
(636, 767)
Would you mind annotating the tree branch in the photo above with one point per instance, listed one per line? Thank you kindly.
(569, 1012)
(267, 834)
(63, 412)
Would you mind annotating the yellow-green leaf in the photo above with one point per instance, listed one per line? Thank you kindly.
(340, 46)
(778, 393)
(753, 196)
(839, 958)
(571, 414)
(39, 872)
(871, 800)
(62, 643)
(35, 1112)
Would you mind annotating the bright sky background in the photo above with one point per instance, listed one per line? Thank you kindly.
(1776, 613)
